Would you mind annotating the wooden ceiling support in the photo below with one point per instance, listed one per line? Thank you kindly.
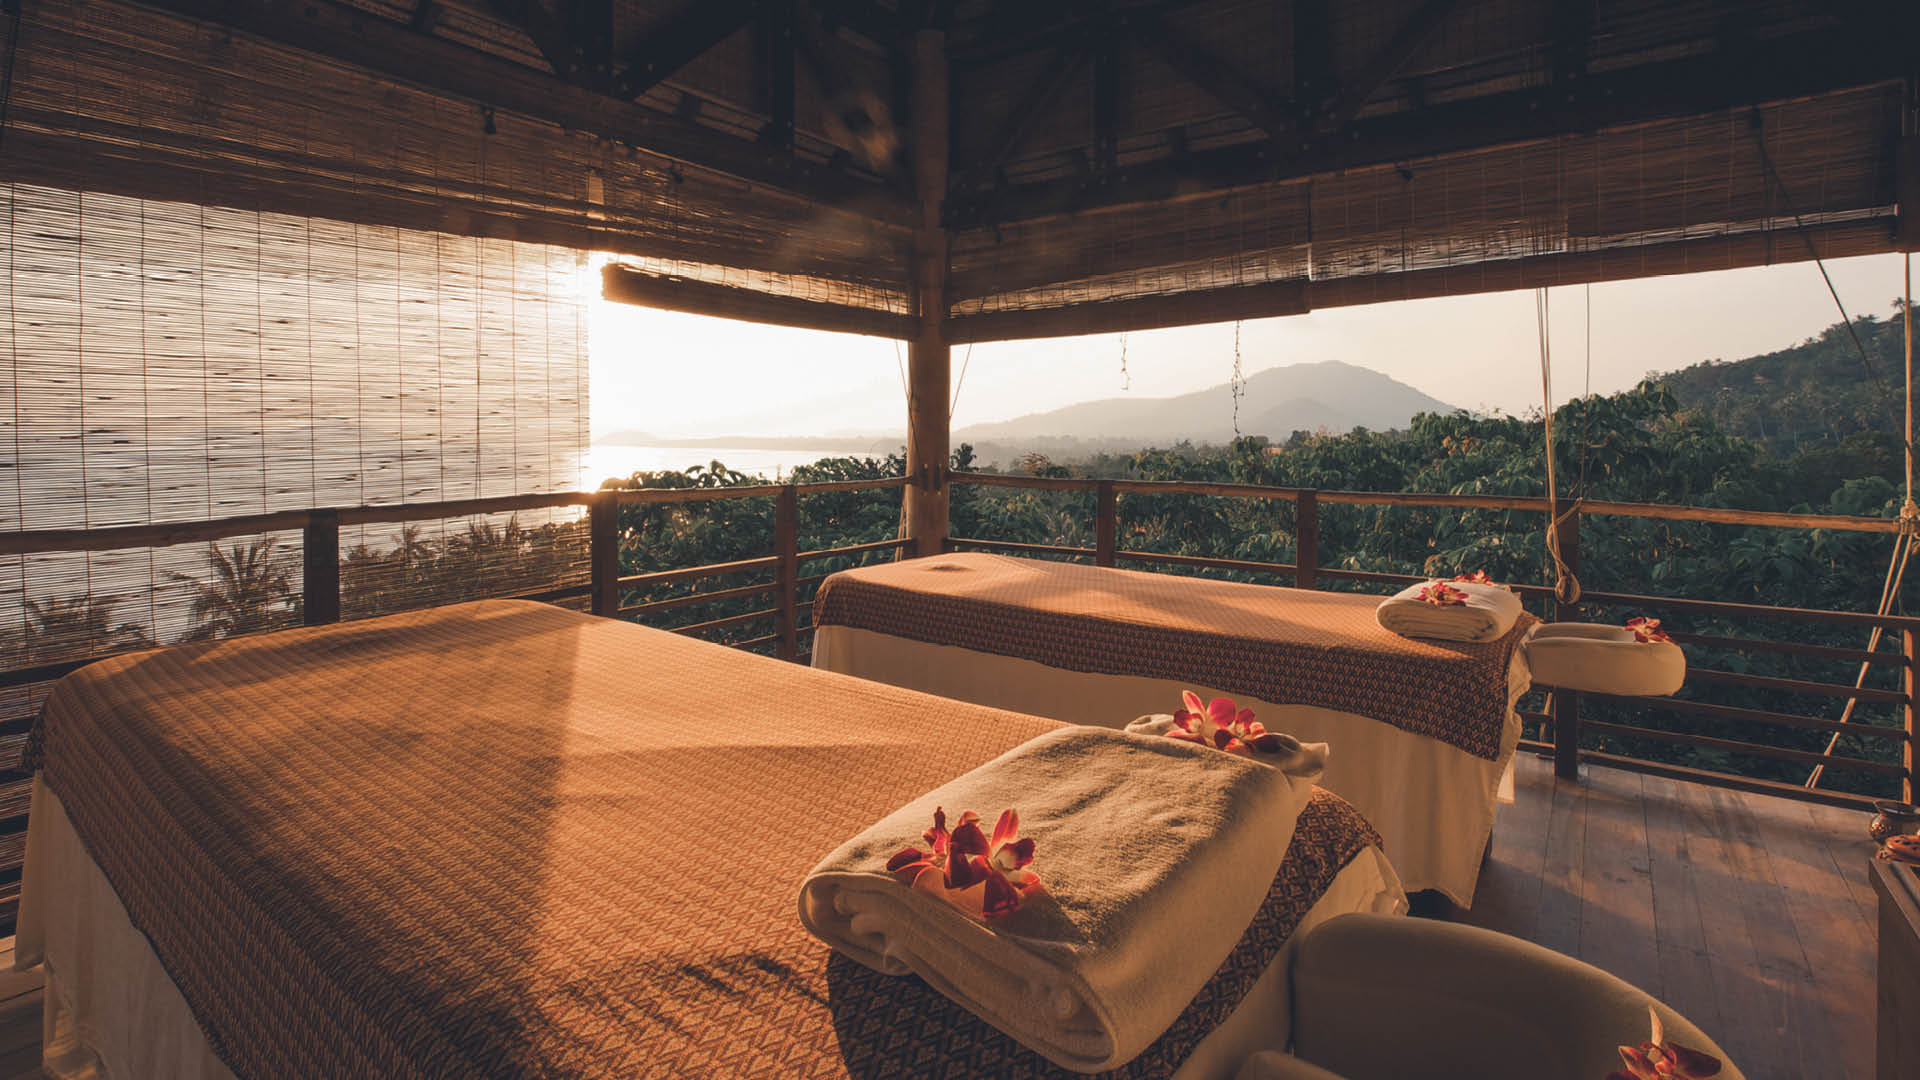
(1764, 71)
(555, 42)
(626, 285)
(1906, 235)
(679, 43)
(1407, 41)
(393, 50)
(1227, 304)
(1221, 80)
(929, 356)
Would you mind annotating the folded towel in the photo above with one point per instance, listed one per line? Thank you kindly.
(1156, 854)
(1488, 613)
(1295, 758)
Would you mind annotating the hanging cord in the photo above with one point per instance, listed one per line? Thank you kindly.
(1566, 585)
(959, 383)
(1903, 543)
(1800, 226)
(1126, 380)
(1239, 379)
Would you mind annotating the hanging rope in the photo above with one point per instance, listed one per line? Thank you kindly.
(1239, 379)
(1126, 380)
(1566, 585)
(1903, 543)
(959, 383)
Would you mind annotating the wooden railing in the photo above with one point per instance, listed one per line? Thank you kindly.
(1561, 716)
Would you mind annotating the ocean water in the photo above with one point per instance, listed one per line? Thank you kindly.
(606, 460)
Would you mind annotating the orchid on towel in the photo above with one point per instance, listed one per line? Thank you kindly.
(1222, 726)
(1441, 594)
(978, 875)
(1658, 1059)
(1647, 631)
(1478, 577)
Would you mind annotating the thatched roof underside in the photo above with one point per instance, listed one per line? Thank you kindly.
(1250, 157)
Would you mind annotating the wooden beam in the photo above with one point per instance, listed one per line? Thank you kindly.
(929, 357)
(1221, 80)
(680, 42)
(547, 33)
(1064, 66)
(1407, 41)
(1148, 313)
(1767, 71)
(626, 285)
(355, 37)
(1907, 192)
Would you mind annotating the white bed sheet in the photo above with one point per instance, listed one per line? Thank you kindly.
(1432, 801)
(115, 1014)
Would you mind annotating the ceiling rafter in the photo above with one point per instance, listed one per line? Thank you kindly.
(390, 48)
(1419, 28)
(680, 42)
(1059, 71)
(547, 33)
(1220, 79)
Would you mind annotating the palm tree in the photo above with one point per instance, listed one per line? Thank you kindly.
(250, 584)
(67, 627)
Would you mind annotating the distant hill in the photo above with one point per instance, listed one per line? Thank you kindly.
(1816, 393)
(1277, 402)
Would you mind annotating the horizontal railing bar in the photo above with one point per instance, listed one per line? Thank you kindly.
(693, 573)
(752, 641)
(1666, 511)
(1796, 686)
(1528, 714)
(1206, 562)
(811, 579)
(501, 504)
(1012, 547)
(1735, 746)
(567, 593)
(1043, 483)
(819, 487)
(722, 624)
(1533, 746)
(1797, 648)
(711, 596)
(1756, 716)
(632, 496)
(854, 549)
(1719, 607)
(1386, 578)
(804, 659)
(1199, 487)
(1733, 781)
(114, 537)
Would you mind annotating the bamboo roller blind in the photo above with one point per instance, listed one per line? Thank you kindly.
(172, 362)
(1668, 197)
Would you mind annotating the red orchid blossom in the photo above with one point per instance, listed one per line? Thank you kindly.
(1441, 594)
(1478, 577)
(978, 875)
(1221, 725)
(1646, 631)
(1658, 1059)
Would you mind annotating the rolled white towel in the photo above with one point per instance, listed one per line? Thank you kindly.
(1133, 835)
(1295, 758)
(1487, 613)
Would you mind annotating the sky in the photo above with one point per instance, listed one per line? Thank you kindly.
(688, 375)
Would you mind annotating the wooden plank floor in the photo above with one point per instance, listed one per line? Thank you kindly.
(1750, 915)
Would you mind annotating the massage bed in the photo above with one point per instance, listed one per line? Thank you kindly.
(503, 839)
(1423, 732)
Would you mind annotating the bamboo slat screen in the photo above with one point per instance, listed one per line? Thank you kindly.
(113, 97)
(170, 362)
(1668, 197)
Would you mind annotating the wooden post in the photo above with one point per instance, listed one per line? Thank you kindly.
(320, 558)
(1306, 539)
(603, 538)
(786, 547)
(929, 360)
(1106, 523)
(1565, 707)
(1906, 229)
(1907, 641)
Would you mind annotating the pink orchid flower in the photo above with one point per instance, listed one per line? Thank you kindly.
(1223, 726)
(978, 875)
(1658, 1059)
(1441, 594)
(1647, 631)
(1478, 577)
